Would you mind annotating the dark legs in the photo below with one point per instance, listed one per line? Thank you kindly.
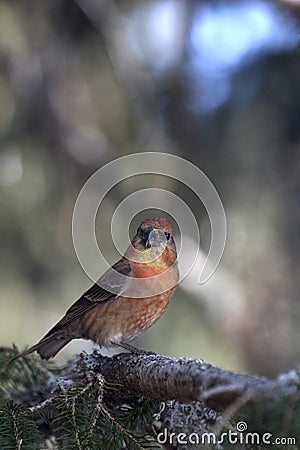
(129, 347)
(132, 349)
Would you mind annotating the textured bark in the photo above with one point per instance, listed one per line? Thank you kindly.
(190, 395)
(163, 378)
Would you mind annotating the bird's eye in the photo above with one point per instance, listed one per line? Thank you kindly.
(168, 235)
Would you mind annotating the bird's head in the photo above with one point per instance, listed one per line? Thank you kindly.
(153, 241)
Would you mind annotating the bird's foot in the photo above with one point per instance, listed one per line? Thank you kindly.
(132, 349)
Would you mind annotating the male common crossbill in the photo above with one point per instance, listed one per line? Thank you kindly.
(117, 308)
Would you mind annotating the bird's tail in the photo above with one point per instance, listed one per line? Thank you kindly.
(48, 347)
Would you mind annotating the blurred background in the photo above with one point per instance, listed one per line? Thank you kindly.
(216, 82)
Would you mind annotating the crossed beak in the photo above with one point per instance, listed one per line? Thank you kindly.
(147, 238)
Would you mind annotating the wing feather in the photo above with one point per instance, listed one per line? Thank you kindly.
(97, 294)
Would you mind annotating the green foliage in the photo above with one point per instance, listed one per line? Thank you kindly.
(39, 401)
(85, 421)
(17, 428)
(22, 374)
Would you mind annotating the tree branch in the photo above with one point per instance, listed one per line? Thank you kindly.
(163, 378)
(195, 395)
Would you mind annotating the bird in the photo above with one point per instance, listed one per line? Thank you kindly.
(126, 300)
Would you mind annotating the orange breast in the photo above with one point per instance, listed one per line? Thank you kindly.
(124, 318)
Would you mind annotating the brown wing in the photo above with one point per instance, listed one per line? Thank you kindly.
(98, 293)
(59, 335)
(109, 283)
